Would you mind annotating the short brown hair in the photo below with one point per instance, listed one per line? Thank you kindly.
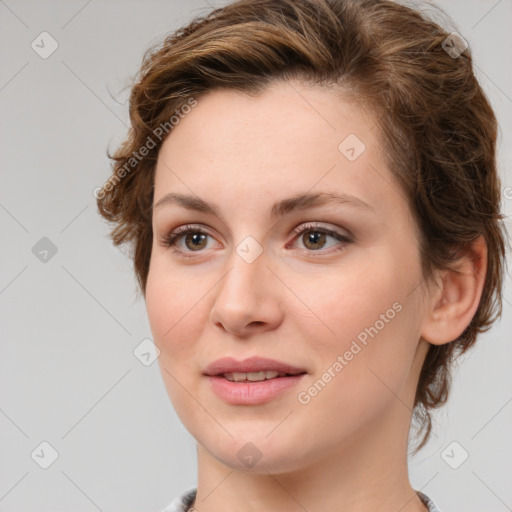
(435, 121)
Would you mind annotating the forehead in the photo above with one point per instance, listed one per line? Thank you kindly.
(286, 116)
(289, 139)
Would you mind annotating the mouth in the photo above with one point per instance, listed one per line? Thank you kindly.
(256, 376)
(253, 381)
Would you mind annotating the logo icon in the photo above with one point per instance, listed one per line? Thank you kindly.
(454, 45)
(249, 249)
(351, 147)
(249, 455)
(44, 455)
(44, 45)
(44, 250)
(146, 352)
(454, 455)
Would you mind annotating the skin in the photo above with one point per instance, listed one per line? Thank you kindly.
(301, 302)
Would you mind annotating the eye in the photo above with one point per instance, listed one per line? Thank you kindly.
(314, 237)
(194, 238)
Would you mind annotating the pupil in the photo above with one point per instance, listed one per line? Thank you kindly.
(196, 238)
(314, 237)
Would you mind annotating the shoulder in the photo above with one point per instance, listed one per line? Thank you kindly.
(428, 502)
(182, 502)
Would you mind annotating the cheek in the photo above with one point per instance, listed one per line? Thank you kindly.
(355, 298)
(373, 324)
(173, 306)
(173, 309)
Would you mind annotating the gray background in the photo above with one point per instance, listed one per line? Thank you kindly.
(68, 374)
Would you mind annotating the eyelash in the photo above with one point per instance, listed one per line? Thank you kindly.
(170, 239)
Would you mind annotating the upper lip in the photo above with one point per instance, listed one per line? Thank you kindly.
(252, 364)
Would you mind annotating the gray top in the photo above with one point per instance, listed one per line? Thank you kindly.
(183, 502)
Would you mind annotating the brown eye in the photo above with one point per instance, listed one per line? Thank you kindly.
(314, 239)
(194, 239)
(197, 241)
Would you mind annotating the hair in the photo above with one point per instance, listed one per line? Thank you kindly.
(436, 126)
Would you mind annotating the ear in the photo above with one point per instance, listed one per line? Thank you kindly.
(456, 296)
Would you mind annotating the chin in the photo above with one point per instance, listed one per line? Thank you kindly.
(255, 454)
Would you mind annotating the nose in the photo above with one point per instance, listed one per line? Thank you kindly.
(247, 299)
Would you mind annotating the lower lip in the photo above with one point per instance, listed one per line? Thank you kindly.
(251, 393)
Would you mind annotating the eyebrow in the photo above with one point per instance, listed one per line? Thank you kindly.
(279, 209)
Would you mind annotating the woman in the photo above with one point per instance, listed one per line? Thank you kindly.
(311, 192)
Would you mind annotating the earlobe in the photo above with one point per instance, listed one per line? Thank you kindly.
(457, 297)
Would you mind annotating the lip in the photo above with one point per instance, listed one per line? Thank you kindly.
(251, 393)
(252, 364)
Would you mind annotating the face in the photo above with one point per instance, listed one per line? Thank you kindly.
(328, 286)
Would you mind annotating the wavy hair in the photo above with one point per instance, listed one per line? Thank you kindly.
(436, 124)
